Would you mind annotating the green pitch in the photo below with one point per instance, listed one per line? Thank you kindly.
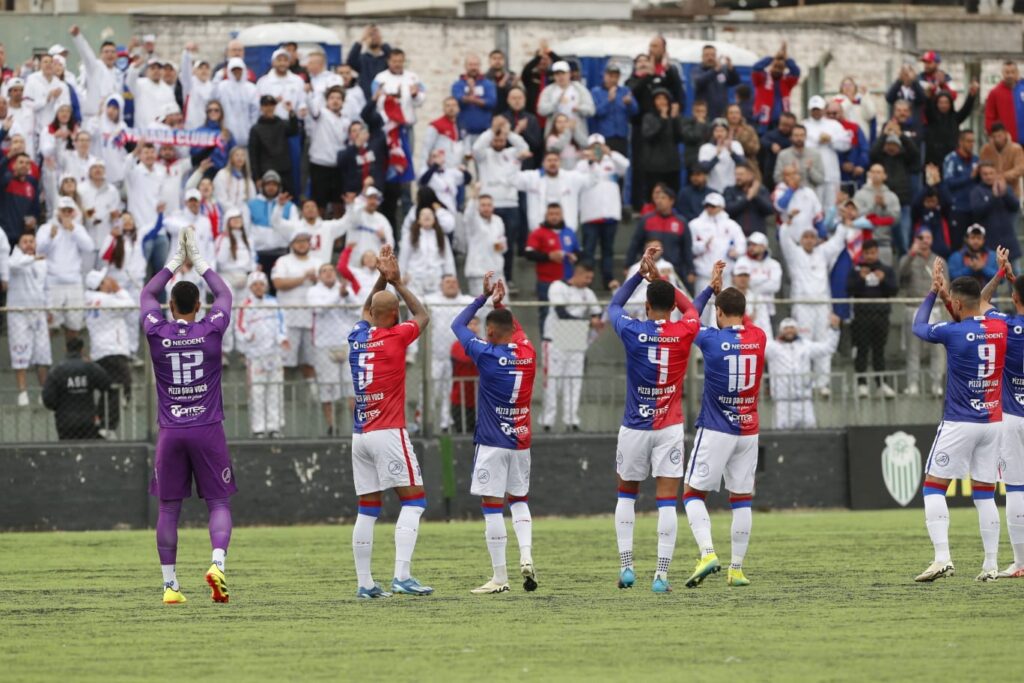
(832, 599)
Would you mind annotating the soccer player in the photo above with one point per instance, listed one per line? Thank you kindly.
(967, 442)
(508, 363)
(191, 445)
(651, 435)
(382, 455)
(727, 427)
(1011, 446)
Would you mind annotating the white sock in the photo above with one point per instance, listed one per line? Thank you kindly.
(1015, 524)
(668, 524)
(407, 528)
(219, 557)
(936, 515)
(742, 518)
(170, 578)
(497, 538)
(700, 524)
(362, 548)
(988, 521)
(522, 524)
(625, 517)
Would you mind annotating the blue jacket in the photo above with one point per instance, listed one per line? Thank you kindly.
(956, 176)
(218, 155)
(367, 65)
(998, 215)
(712, 86)
(611, 118)
(18, 199)
(958, 266)
(690, 201)
(475, 118)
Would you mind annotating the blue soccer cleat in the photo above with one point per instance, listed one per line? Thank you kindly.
(371, 593)
(410, 587)
(627, 578)
(661, 585)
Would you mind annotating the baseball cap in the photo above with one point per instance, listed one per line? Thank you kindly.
(66, 176)
(169, 109)
(931, 56)
(372, 192)
(236, 63)
(714, 199)
(300, 231)
(920, 231)
(595, 139)
(816, 102)
(741, 268)
(976, 228)
(193, 194)
(894, 139)
(96, 161)
(153, 61)
(560, 65)
(231, 213)
(56, 49)
(94, 277)
(612, 68)
(268, 99)
(271, 177)
(280, 52)
(15, 83)
(66, 203)
(201, 62)
(254, 277)
(60, 60)
(758, 238)
(149, 38)
(787, 322)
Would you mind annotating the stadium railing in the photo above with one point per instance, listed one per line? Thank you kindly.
(787, 400)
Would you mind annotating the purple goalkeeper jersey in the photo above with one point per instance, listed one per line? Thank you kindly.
(187, 364)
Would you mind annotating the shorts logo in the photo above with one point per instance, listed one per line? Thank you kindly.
(942, 459)
(483, 476)
(703, 469)
(674, 456)
(166, 343)
(901, 467)
(226, 475)
(618, 457)
(395, 467)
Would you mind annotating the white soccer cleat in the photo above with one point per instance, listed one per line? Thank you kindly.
(23, 399)
(529, 577)
(987, 575)
(491, 588)
(1014, 571)
(936, 570)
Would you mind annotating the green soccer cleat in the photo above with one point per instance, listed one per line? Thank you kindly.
(707, 566)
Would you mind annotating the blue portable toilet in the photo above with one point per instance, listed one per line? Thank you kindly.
(261, 40)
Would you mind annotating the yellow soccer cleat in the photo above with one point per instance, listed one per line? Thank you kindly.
(173, 597)
(707, 566)
(735, 577)
(218, 584)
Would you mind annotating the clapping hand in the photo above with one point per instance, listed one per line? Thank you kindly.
(716, 277)
(1003, 262)
(488, 285)
(387, 265)
(499, 293)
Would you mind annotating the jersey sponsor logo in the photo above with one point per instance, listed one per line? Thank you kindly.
(901, 467)
(511, 412)
(367, 415)
(984, 405)
(650, 411)
(509, 430)
(168, 343)
(1019, 398)
(514, 361)
(656, 339)
(366, 345)
(971, 336)
(187, 411)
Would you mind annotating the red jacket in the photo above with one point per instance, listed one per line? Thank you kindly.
(1001, 106)
(463, 367)
(764, 93)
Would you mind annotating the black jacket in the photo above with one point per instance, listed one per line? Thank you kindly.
(659, 146)
(751, 214)
(268, 145)
(858, 288)
(69, 393)
(695, 134)
(942, 131)
(533, 135)
(898, 168)
(352, 159)
(534, 80)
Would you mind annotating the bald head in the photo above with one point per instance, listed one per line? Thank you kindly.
(384, 309)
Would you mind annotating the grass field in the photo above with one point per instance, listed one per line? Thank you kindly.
(832, 599)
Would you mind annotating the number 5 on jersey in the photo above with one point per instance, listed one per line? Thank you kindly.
(366, 372)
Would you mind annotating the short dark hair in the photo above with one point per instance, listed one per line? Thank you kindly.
(996, 127)
(108, 42)
(967, 289)
(551, 152)
(699, 102)
(731, 302)
(553, 205)
(502, 319)
(661, 295)
(585, 265)
(869, 244)
(396, 51)
(787, 115)
(664, 188)
(708, 47)
(185, 296)
(743, 91)
(334, 89)
(495, 52)
(964, 133)
(76, 344)
(800, 126)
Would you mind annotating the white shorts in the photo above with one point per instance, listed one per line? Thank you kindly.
(965, 448)
(66, 295)
(716, 455)
(643, 452)
(29, 339)
(333, 377)
(383, 459)
(497, 471)
(1011, 450)
(300, 347)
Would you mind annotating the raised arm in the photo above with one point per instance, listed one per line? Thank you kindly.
(1002, 259)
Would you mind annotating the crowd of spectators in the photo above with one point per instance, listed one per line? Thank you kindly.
(294, 179)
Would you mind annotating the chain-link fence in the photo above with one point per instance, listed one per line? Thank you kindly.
(286, 372)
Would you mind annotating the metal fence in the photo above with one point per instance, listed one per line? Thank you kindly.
(585, 392)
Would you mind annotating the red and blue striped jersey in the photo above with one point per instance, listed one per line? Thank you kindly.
(657, 352)
(376, 356)
(1013, 369)
(733, 364)
(505, 392)
(975, 355)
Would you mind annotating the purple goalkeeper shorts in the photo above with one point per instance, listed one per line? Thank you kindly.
(196, 452)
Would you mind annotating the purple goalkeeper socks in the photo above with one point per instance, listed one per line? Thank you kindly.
(220, 522)
(167, 530)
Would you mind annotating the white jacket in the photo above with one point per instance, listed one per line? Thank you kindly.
(107, 140)
(240, 102)
(24, 124)
(809, 272)
(454, 150)
(723, 173)
(807, 205)
(840, 142)
(443, 311)
(495, 167)
(101, 80)
(37, 91)
(332, 325)
(178, 220)
(150, 97)
(603, 200)
(259, 327)
(446, 183)
(195, 92)
(328, 134)
(234, 269)
(233, 192)
(576, 96)
(401, 86)
(108, 329)
(713, 238)
(789, 364)
(765, 283)
(27, 285)
(290, 88)
(64, 252)
(143, 187)
(323, 233)
(542, 189)
(98, 203)
(132, 273)
(486, 242)
(424, 265)
(366, 231)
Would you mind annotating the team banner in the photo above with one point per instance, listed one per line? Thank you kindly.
(177, 138)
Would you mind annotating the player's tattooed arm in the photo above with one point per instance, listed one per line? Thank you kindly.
(1003, 262)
